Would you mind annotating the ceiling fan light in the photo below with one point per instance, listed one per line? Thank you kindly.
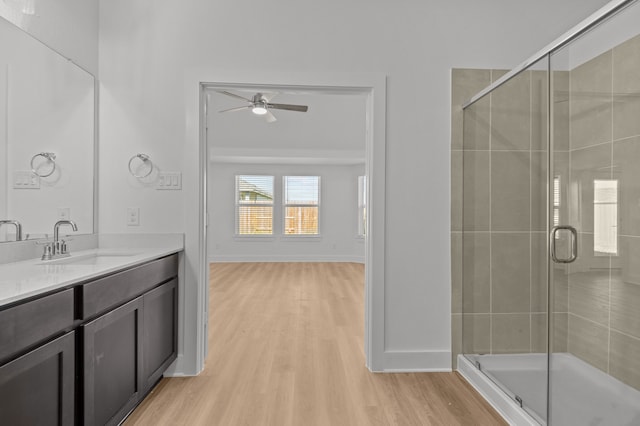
(259, 109)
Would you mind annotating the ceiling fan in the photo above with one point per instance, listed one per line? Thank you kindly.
(259, 104)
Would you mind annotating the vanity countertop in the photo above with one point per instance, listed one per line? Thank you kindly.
(24, 279)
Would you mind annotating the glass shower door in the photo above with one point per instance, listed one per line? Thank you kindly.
(594, 209)
(504, 236)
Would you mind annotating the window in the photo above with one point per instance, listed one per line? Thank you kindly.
(605, 217)
(254, 205)
(301, 205)
(362, 206)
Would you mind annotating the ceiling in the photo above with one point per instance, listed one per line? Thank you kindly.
(332, 131)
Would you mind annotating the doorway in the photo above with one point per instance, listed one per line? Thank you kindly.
(326, 145)
(194, 310)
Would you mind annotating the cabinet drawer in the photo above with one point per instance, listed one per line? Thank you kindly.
(107, 292)
(31, 322)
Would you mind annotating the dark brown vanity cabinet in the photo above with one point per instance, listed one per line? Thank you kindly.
(126, 351)
(37, 361)
(160, 332)
(87, 355)
(112, 348)
(38, 387)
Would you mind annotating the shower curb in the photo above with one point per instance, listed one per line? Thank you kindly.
(505, 406)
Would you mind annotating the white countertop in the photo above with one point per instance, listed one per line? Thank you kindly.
(20, 280)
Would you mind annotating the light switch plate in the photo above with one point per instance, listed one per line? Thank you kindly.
(169, 181)
(25, 179)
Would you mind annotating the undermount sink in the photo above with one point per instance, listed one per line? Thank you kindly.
(89, 259)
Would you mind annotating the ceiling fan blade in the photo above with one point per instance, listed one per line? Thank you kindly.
(233, 95)
(270, 118)
(236, 109)
(299, 108)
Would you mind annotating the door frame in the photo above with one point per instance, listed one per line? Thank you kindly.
(194, 294)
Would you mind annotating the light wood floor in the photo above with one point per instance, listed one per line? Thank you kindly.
(286, 348)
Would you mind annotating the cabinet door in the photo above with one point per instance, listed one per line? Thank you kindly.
(113, 364)
(160, 330)
(38, 387)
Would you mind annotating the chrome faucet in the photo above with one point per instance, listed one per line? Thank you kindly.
(16, 224)
(59, 248)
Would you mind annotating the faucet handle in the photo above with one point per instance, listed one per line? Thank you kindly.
(63, 247)
(47, 252)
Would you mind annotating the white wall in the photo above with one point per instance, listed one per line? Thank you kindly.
(147, 46)
(70, 27)
(338, 216)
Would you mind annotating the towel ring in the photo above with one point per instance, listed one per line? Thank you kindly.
(145, 160)
(48, 156)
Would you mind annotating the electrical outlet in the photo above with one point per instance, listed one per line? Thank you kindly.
(64, 213)
(133, 216)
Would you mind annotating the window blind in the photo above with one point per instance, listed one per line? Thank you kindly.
(301, 205)
(254, 205)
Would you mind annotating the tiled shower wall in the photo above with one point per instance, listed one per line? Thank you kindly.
(504, 305)
(604, 133)
(596, 109)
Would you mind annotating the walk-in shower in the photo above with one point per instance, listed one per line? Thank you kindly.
(550, 229)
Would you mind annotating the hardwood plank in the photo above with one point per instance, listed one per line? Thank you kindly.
(286, 348)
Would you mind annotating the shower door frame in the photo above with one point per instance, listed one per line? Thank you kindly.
(491, 391)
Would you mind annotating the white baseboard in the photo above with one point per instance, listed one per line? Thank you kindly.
(286, 258)
(417, 361)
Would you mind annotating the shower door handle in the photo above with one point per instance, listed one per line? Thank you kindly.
(574, 243)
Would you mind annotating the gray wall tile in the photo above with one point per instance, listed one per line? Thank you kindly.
(625, 362)
(464, 84)
(510, 199)
(456, 339)
(511, 333)
(476, 272)
(476, 127)
(587, 165)
(456, 272)
(456, 190)
(539, 279)
(476, 190)
(476, 332)
(560, 330)
(539, 172)
(626, 156)
(629, 254)
(589, 341)
(511, 114)
(510, 284)
(560, 87)
(539, 333)
(591, 102)
(589, 295)
(539, 110)
(626, 89)
(625, 307)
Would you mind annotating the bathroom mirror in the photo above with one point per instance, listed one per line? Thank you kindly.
(47, 143)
